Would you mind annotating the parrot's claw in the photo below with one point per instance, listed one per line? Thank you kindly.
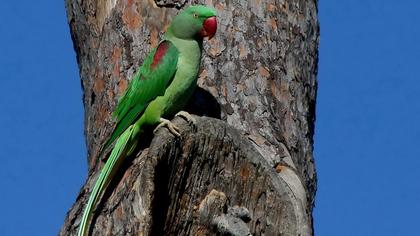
(172, 128)
(187, 116)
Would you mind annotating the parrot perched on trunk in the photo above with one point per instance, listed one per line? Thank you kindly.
(160, 88)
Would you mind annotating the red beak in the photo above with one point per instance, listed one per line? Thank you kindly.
(209, 27)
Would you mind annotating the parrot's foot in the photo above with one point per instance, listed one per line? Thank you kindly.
(172, 128)
(187, 116)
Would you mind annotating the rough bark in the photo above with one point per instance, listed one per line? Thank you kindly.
(250, 170)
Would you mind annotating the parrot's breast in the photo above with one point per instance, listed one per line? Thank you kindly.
(185, 80)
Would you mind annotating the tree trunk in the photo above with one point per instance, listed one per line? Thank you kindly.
(246, 166)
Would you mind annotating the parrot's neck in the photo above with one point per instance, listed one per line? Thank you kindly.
(170, 34)
(190, 49)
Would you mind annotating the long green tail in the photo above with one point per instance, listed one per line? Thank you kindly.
(111, 166)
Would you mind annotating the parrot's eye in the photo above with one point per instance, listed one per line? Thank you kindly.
(195, 15)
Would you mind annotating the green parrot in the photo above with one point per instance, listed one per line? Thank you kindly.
(160, 88)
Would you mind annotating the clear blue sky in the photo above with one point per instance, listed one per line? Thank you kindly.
(367, 142)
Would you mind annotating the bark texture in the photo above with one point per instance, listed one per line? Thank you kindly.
(251, 170)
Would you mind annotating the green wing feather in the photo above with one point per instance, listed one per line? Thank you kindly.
(106, 175)
(150, 81)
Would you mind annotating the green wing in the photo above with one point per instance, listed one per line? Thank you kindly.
(149, 82)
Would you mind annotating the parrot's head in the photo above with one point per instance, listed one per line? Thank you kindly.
(196, 21)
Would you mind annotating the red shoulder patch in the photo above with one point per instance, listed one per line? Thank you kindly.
(160, 53)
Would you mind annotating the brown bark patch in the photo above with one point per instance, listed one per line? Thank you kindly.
(99, 85)
(154, 38)
(244, 173)
(215, 47)
(131, 16)
(116, 54)
(101, 116)
(115, 59)
(271, 7)
(264, 72)
(122, 86)
(220, 7)
(116, 70)
(275, 90)
(110, 95)
(203, 75)
(243, 51)
(280, 168)
(272, 23)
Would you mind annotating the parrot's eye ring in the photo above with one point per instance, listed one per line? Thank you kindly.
(195, 15)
